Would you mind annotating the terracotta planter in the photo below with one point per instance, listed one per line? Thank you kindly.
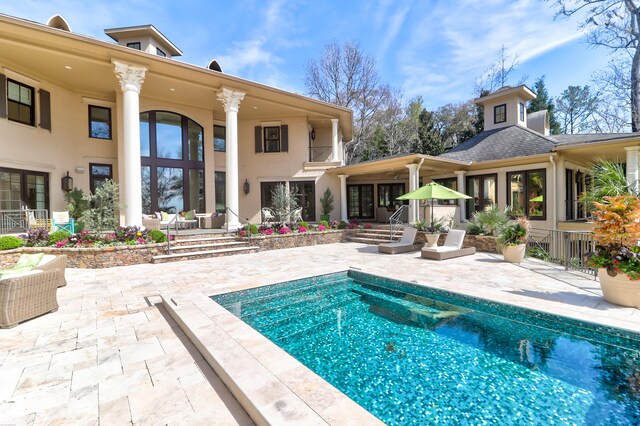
(432, 239)
(619, 290)
(514, 254)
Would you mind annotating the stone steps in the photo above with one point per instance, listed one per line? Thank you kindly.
(373, 236)
(181, 241)
(201, 254)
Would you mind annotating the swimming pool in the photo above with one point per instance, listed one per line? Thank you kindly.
(414, 355)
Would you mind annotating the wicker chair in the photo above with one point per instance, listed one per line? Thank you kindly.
(28, 295)
(50, 262)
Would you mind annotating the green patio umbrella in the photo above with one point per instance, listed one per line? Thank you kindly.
(433, 191)
(538, 199)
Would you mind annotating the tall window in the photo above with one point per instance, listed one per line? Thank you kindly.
(271, 138)
(526, 193)
(388, 192)
(134, 45)
(500, 113)
(20, 101)
(219, 138)
(482, 189)
(98, 173)
(99, 122)
(360, 201)
(451, 183)
(521, 111)
(23, 188)
(172, 151)
(221, 191)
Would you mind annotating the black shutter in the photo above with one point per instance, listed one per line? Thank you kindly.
(258, 138)
(45, 109)
(284, 138)
(3, 96)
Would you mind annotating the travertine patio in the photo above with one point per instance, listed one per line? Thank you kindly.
(112, 355)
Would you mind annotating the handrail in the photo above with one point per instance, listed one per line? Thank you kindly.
(240, 219)
(174, 220)
(396, 221)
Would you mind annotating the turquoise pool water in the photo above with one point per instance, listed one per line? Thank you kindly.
(412, 355)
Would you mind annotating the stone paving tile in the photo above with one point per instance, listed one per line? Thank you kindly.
(111, 354)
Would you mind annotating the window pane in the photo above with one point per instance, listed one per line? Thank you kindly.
(196, 149)
(169, 135)
(516, 190)
(489, 189)
(170, 189)
(144, 134)
(146, 189)
(535, 184)
(25, 95)
(271, 139)
(13, 91)
(219, 138)
(449, 183)
(196, 190)
(353, 201)
(367, 201)
(101, 170)
(100, 122)
(221, 192)
(473, 190)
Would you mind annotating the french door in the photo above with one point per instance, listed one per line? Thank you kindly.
(360, 201)
(23, 189)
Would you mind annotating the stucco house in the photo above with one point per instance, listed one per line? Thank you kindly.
(172, 134)
(514, 162)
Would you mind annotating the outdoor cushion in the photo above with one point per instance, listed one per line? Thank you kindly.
(28, 260)
(164, 216)
(8, 273)
(190, 215)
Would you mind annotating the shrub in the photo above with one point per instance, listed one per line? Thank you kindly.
(56, 237)
(157, 236)
(342, 225)
(514, 233)
(490, 220)
(252, 228)
(326, 202)
(77, 205)
(283, 202)
(368, 226)
(104, 205)
(36, 237)
(8, 242)
(303, 224)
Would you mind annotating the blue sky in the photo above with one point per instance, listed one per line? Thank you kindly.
(435, 49)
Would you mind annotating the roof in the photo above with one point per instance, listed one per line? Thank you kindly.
(507, 91)
(500, 144)
(575, 139)
(142, 30)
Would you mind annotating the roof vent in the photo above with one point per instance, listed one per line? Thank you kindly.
(58, 22)
(215, 66)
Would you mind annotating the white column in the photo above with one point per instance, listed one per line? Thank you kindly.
(413, 185)
(462, 203)
(231, 101)
(633, 175)
(335, 153)
(343, 197)
(131, 78)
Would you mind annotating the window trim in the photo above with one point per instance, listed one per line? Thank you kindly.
(133, 45)
(32, 107)
(265, 140)
(160, 52)
(110, 123)
(525, 174)
(495, 114)
(92, 177)
(469, 211)
(224, 128)
(390, 185)
(521, 106)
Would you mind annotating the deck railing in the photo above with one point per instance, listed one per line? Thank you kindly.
(319, 153)
(15, 221)
(567, 248)
(397, 220)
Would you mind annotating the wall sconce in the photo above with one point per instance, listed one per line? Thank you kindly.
(313, 134)
(246, 187)
(67, 183)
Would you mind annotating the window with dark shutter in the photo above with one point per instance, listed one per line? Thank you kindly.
(3, 96)
(21, 103)
(258, 131)
(45, 109)
(284, 138)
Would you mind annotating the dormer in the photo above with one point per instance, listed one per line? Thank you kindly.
(145, 38)
(505, 107)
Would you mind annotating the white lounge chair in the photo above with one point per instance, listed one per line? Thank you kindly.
(406, 243)
(452, 247)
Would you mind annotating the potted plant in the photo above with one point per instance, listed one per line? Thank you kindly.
(512, 237)
(432, 231)
(326, 205)
(617, 254)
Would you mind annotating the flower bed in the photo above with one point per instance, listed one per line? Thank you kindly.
(298, 239)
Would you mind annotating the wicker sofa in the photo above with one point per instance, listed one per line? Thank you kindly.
(28, 295)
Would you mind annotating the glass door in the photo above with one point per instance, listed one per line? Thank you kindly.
(360, 201)
(307, 198)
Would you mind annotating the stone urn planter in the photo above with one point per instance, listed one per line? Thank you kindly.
(514, 253)
(619, 290)
(432, 239)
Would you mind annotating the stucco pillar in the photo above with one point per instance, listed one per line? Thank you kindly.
(413, 185)
(341, 148)
(633, 174)
(335, 153)
(131, 78)
(461, 203)
(231, 100)
(343, 197)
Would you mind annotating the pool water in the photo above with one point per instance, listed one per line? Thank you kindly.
(412, 355)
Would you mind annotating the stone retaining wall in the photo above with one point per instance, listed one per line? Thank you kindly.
(480, 242)
(277, 241)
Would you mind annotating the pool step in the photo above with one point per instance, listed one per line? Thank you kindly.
(201, 254)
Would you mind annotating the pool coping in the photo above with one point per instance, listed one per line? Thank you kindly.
(271, 385)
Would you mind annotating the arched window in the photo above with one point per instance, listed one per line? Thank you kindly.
(172, 158)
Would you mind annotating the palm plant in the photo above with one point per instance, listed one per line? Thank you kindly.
(609, 180)
(489, 221)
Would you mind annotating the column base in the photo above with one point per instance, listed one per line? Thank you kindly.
(232, 226)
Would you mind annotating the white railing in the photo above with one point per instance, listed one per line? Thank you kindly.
(397, 220)
(15, 221)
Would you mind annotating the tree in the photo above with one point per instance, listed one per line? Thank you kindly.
(614, 85)
(429, 139)
(499, 73)
(456, 123)
(614, 24)
(345, 76)
(544, 102)
(576, 107)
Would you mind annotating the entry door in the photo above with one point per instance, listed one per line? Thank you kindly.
(307, 198)
(360, 201)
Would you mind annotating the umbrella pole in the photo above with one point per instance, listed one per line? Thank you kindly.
(432, 230)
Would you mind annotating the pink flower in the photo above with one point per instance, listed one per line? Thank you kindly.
(241, 232)
(367, 226)
(321, 227)
(268, 231)
(62, 243)
(284, 230)
(141, 241)
(302, 229)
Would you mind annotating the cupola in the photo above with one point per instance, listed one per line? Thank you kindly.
(505, 107)
(146, 38)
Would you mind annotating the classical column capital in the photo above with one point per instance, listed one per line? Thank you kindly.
(230, 99)
(130, 77)
(343, 177)
(460, 172)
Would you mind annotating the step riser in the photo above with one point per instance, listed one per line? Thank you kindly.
(199, 247)
(203, 256)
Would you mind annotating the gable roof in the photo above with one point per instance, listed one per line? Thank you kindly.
(501, 144)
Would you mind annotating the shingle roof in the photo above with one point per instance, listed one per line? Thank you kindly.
(499, 144)
(592, 137)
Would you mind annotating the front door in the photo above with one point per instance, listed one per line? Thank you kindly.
(306, 191)
(360, 201)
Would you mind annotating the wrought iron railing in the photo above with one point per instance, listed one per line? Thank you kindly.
(174, 221)
(14, 221)
(240, 219)
(397, 220)
(319, 153)
(567, 248)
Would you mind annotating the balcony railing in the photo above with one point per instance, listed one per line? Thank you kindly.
(16, 221)
(319, 153)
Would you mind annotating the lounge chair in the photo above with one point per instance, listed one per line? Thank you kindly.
(44, 262)
(452, 247)
(407, 243)
(26, 295)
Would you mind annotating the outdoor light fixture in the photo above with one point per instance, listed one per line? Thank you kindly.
(247, 187)
(67, 183)
(313, 134)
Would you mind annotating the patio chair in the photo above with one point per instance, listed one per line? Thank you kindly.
(27, 295)
(267, 215)
(451, 248)
(44, 262)
(296, 215)
(60, 221)
(213, 220)
(407, 243)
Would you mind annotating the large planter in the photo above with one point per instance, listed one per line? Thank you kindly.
(619, 290)
(432, 239)
(514, 254)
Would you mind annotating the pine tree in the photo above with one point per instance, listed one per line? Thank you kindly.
(542, 102)
(429, 139)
